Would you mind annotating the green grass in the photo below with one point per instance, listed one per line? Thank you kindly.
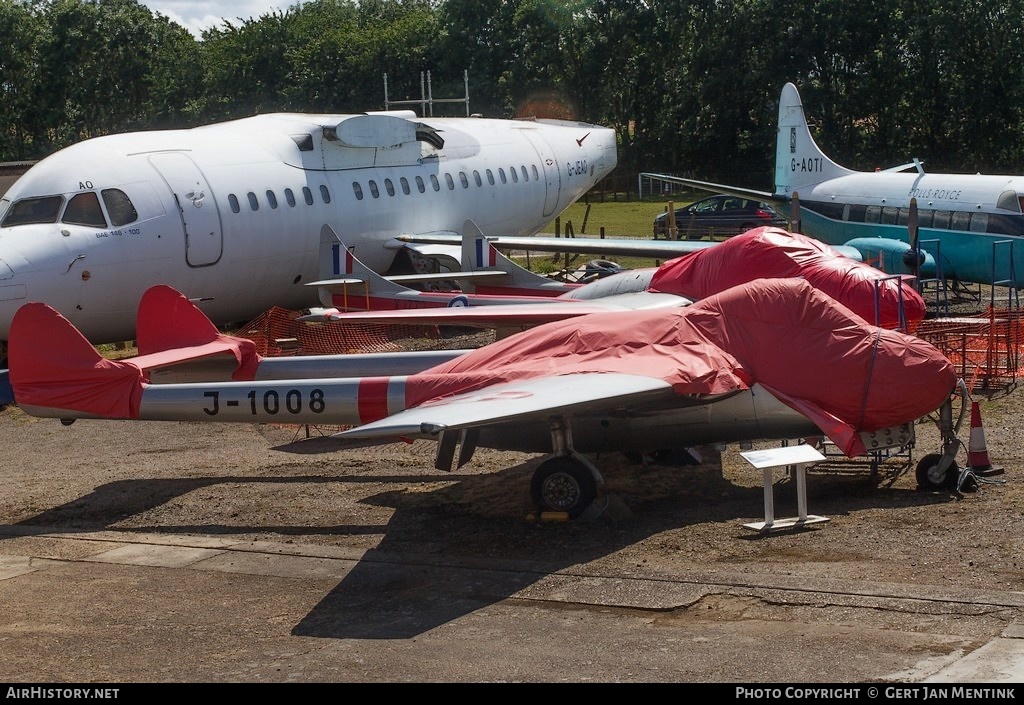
(617, 218)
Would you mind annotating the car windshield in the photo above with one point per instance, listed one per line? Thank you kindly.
(705, 207)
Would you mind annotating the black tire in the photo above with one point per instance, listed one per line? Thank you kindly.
(603, 267)
(563, 484)
(930, 478)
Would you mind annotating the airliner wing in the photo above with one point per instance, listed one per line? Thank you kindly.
(738, 191)
(532, 398)
(626, 247)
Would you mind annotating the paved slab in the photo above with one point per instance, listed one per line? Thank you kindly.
(132, 607)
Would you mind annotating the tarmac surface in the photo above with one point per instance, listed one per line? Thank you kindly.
(114, 606)
(142, 553)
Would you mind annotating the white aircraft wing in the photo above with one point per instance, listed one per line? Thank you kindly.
(712, 187)
(544, 310)
(472, 316)
(537, 397)
(406, 279)
(624, 247)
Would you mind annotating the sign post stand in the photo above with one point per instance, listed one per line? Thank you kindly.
(799, 456)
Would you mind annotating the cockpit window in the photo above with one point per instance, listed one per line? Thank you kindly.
(33, 210)
(84, 209)
(119, 206)
(1009, 200)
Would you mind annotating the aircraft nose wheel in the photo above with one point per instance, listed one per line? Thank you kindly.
(563, 484)
(932, 476)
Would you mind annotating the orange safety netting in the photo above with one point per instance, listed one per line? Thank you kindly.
(985, 349)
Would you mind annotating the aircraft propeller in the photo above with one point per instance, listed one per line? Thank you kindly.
(913, 257)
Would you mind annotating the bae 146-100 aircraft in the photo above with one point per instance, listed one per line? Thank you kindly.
(230, 214)
(732, 367)
(969, 226)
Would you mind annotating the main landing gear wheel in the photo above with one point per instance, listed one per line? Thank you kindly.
(563, 484)
(931, 477)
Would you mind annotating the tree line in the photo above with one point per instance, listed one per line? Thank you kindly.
(690, 86)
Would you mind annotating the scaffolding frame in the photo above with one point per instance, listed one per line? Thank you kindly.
(427, 99)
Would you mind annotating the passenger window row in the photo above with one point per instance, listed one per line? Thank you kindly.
(271, 198)
(435, 183)
(976, 221)
(84, 208)
(973, 221)
(514, 175)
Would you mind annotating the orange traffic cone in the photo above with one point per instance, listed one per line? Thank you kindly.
(977, 452)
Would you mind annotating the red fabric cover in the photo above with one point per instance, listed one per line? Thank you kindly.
(810, 351)
(769, 252)
(53, 365)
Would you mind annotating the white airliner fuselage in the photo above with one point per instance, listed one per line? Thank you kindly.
(230, 214)
(969, 223)
(970, 227)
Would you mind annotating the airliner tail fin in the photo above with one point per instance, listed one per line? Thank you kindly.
(799, 162)
(480, 256)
